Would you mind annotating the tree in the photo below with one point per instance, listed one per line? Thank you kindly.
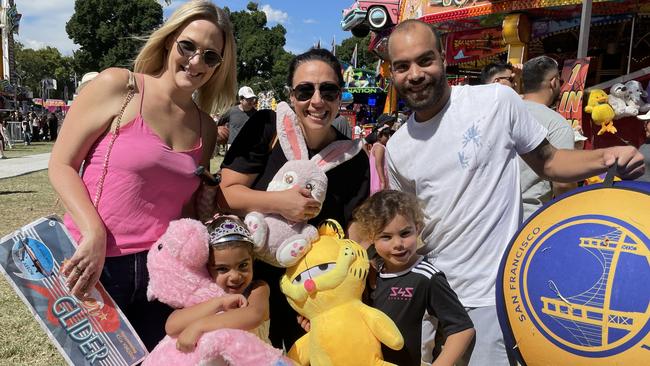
(107, 30)
(365, 58)
(32, 66)
(262, 62)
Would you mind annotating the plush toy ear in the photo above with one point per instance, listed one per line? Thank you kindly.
(337, 153)
(289, 133)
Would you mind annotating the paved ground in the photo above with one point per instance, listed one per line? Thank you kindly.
(18, 166)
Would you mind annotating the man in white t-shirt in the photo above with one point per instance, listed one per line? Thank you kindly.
(541, 89)
(458, 154)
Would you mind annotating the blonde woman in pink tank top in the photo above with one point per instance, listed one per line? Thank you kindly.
(164, 136)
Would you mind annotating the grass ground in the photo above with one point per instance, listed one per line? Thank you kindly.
(22, 200)
(19, 149)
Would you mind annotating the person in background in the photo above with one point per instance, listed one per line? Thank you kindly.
(184, 71)
(53, 123)
(235, 118)
(500, 73)
(85, 79)
(378, 168)
(341, 123)
(541, 89)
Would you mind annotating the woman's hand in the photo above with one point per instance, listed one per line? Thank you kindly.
(85, 267)
(298, 205)
(234, 301)
(188, 338)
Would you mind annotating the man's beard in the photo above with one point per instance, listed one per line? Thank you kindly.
(435, 89)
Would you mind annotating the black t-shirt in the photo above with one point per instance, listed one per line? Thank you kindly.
(405, 296)
(254, 152)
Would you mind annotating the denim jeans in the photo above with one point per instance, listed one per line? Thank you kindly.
(125, 279)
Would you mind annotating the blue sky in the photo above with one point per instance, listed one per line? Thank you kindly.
(306, 21)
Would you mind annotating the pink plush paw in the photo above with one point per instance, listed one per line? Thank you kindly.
(258, 228)
(291, 251)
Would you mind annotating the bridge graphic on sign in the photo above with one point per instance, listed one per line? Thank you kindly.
(588, 316)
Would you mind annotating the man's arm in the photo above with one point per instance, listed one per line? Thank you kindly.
(575, 165)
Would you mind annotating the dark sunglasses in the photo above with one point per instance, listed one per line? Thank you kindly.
(188, 49)
(511, 79)
(328, 91)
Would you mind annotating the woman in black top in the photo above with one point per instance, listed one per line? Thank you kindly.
(254, 158)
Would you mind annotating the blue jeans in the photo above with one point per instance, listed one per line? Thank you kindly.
(125, 279)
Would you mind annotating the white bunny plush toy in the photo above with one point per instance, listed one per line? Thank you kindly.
(279, 242)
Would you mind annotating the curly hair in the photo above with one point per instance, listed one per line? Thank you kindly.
(375, 213)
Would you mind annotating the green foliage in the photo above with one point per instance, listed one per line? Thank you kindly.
(365, 58)
(32, 66)
(106, 31)
(262, 62)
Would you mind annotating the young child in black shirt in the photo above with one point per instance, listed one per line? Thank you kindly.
(407, 286)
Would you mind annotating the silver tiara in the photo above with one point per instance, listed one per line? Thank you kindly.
(230, 230)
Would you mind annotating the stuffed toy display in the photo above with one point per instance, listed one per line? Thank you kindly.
(602, 114)
(325, 286)
(278, 242)
(179, 277)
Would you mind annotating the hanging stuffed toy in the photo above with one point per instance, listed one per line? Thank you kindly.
(278, 242)
(646, 116)
(325, 286)
(178, 277)
(636, 96)
(618, 99)
(602, 113)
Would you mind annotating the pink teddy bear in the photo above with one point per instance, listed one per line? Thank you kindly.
(178, 277)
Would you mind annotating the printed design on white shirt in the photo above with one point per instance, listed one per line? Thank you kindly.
(471, 144)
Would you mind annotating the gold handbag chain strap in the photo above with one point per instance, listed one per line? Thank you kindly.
(100, 183)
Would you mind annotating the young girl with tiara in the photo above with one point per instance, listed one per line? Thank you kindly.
(230, 264)
(407, 287)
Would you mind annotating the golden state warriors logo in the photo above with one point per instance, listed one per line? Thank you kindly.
(574, 284)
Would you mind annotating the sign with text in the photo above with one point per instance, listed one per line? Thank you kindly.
(473, 45)
(574, 74)
(87, 331)
(572, 286)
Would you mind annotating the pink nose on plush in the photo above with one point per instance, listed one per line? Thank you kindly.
(310, 285)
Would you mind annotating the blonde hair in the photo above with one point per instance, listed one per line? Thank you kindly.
(218, 93)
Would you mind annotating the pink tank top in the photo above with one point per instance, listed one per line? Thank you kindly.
(146, 186)
(375, 183)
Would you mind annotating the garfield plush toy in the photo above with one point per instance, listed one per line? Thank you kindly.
(325, 286)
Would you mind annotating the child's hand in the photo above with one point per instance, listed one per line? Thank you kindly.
(304, 323)
(188, 338)
(235, 301)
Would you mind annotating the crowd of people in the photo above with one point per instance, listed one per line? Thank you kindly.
(444, 190)
(33, 128)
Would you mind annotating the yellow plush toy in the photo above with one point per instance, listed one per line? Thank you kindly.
(325, 286)
(601, 112)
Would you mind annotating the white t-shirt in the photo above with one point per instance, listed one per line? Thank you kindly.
(463, 165)
(536, 191)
